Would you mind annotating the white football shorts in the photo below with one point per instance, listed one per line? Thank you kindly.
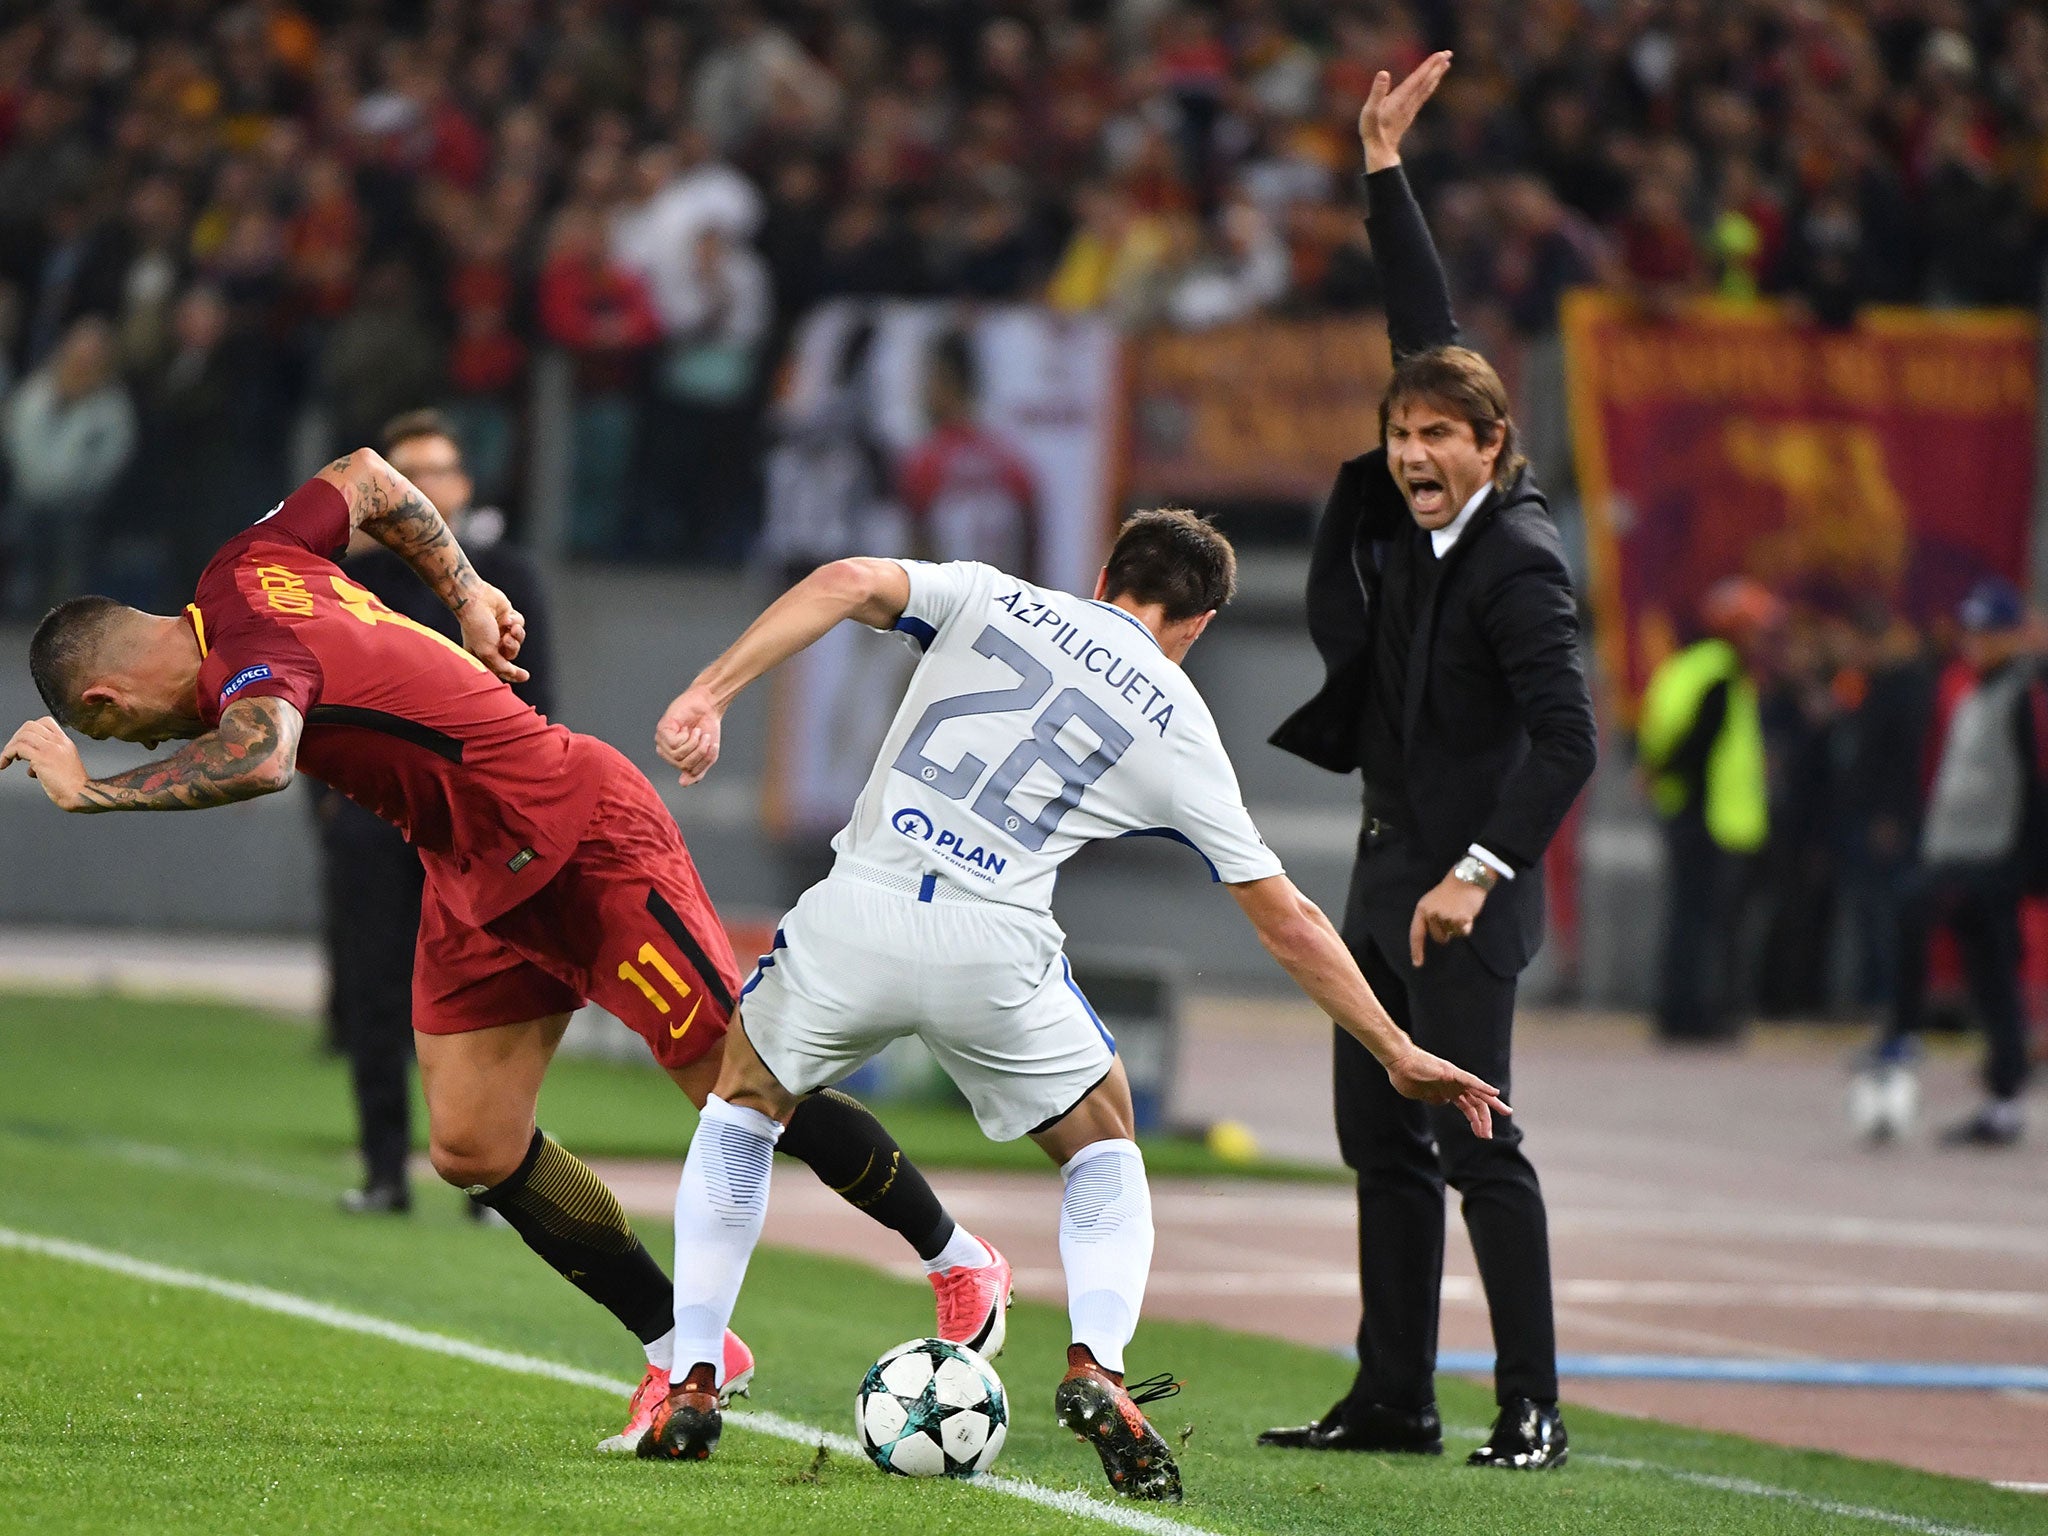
(868, 955)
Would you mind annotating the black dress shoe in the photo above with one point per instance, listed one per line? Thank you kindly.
(1365, 1427)
(377, 1200)
(1527, 1437)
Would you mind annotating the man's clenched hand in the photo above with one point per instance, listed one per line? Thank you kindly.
(688, 735)
(493, 631)
(52, 759)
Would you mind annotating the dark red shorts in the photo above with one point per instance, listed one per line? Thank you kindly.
(625, 923)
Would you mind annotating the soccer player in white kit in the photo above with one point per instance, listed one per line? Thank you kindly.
(1035, 722)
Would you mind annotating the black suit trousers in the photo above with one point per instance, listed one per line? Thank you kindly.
(373, 886)
(1404, 1153)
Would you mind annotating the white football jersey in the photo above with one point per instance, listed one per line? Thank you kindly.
(1036, 722)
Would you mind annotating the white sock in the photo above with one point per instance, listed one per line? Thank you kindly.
(661, 1352)
(1106, 1245)
(962, 1248)
(720, 1205)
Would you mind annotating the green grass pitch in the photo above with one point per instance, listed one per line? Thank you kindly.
(212, 1141)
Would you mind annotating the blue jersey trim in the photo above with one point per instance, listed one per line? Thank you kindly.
(1215, 874)
(1132, 620)
(918, 630)
(1067, 972)
(926, 886)
(767, 962)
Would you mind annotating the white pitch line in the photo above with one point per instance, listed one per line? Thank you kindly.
(284, 1303)
(1067, 1501)
(1754, 1490)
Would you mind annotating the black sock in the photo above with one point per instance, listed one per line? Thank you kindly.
(847, 1147)
(567, 1216)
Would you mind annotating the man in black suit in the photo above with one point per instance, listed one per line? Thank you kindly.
(372, 879)
(1440, 603)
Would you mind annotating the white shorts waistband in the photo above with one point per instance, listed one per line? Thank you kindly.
(930, 887)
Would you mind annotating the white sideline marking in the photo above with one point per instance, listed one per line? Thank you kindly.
(262, 1297)
(1067, 1501)
(1786, 1495)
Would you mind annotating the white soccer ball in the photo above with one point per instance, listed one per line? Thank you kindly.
(931, 1409)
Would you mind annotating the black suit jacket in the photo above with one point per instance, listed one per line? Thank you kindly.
(1497, 726)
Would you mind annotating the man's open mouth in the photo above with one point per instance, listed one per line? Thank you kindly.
(1425, 494)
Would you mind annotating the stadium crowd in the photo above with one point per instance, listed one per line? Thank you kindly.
(213, 216)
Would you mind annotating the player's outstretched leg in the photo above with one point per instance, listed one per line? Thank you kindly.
(853, 1153)
(644, 1410)
(481, 1089)
(1106, 1249)
(721, 1202)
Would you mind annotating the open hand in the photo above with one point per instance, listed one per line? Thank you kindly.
(1416, 1074)
(52, 759)
(493, 631)
(1390, 109)
(687, 736)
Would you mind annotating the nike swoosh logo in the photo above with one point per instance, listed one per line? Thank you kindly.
(677, 1031)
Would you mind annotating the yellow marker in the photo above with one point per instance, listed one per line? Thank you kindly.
(1233, 1141)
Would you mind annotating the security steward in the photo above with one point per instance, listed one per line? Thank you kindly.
(1700, 741)
(1439, 601)
(371, 877)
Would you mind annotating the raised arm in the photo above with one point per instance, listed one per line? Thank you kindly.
(1418, 297)
(1298, 935)
(873, 591)
(253, 751)
(391, 510)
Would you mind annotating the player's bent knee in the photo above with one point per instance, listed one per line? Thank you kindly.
(467, 1162)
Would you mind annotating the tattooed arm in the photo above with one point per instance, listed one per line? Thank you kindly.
(254, 751)
(391, 510)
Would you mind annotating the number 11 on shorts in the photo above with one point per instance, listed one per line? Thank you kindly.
(649, 955)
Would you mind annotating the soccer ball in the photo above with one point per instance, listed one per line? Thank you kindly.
(931, 1409)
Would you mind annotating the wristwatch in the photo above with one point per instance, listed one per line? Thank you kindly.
(1474, 870)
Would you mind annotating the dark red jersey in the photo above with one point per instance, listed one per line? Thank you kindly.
(398, 718)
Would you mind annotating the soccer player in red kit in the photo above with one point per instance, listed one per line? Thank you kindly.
(554, 873)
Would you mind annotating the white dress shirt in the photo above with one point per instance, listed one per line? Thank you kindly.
(1441, 540)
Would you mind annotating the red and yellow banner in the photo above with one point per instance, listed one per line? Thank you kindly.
(1264, 410)
(1896, 457)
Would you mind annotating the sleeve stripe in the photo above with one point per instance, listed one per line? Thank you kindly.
(918, 630)
(1171, 835)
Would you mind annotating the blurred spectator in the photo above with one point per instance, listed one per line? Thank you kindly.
(1116, 258)
(969, 494)
(1659, 251)
(1242, 270)
(1792, 883)
(1981, 847)
(380, 358)
(193, 437)
(600, 313)
(828, 474)
(699, 448)
(68, 432)
(1887, 698)
(1700, 742)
